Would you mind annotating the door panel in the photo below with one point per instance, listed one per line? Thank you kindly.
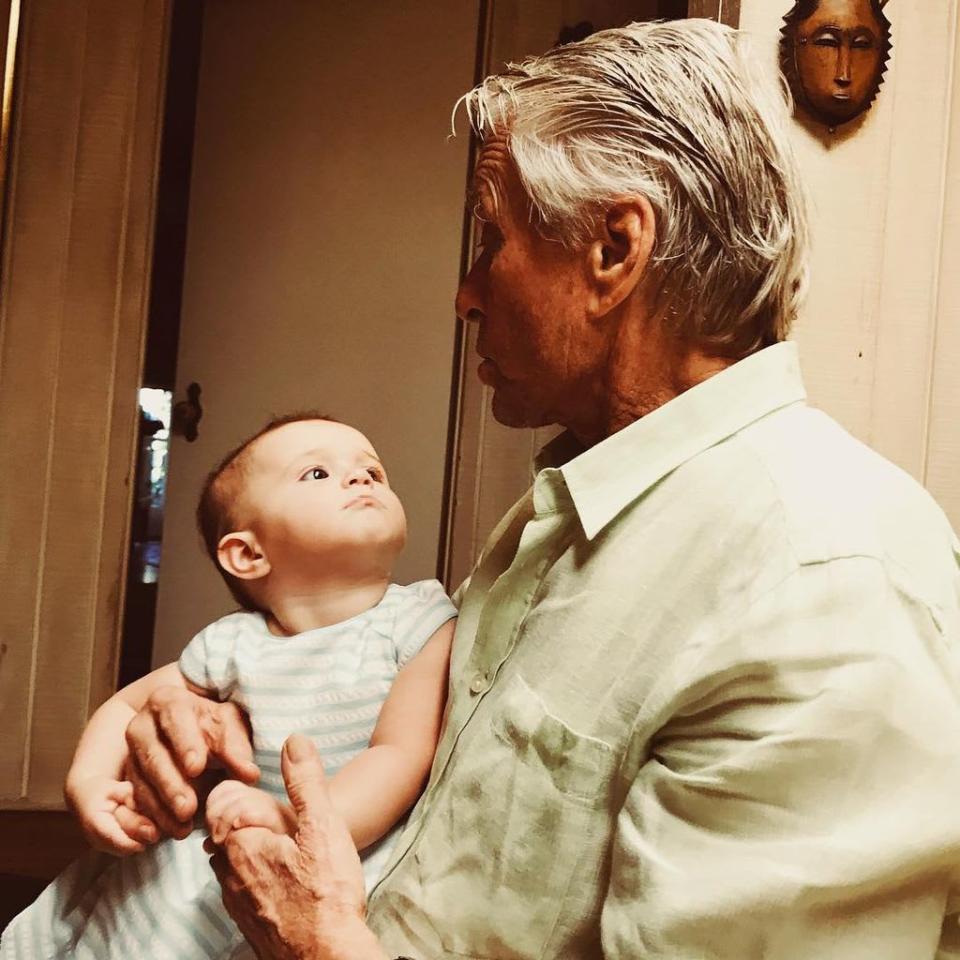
(72, 315)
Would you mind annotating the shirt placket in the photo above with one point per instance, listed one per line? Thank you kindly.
(501, 620)
(508, 602)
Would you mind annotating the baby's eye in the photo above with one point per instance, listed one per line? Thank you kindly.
(375, 473)
(315, 473)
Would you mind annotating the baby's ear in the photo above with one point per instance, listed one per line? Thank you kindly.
(240, 555)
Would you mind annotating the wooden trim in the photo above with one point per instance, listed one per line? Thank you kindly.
(462, 347)
(726, 11)
(130, 330)
(9, 34)
(942, 455)
(5, 51)
(38, 845)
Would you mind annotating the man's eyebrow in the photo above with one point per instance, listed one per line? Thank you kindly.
(477, 203)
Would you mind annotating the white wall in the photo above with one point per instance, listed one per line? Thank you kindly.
(883, 307)
(323, 251)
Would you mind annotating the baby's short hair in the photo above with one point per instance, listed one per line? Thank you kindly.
(216, 515)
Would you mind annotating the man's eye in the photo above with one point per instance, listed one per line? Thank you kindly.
(315, 473)
(375, 474)
(862, 43)
(826, 41)
(488, 241)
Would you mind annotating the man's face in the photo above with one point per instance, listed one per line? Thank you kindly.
(529, 296)
(316, 490)
(839, 55)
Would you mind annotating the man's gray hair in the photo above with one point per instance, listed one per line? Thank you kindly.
(675, 112)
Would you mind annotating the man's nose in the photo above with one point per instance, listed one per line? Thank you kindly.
(469, 303)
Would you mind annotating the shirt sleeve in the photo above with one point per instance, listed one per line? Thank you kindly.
(209, 659)
(801, 799)
(423, 609)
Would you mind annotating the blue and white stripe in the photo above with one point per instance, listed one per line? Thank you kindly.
(328, 683)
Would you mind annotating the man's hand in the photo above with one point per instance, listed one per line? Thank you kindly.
(300, 897)
(232, 805)
(172, 740)
(104, 808)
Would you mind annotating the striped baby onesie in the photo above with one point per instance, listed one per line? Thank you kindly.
(328, 683)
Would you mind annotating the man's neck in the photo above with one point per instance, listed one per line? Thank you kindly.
(646, 368)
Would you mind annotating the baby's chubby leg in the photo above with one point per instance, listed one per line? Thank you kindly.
(232, 805)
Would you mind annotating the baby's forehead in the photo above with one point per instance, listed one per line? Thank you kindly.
(278, 448)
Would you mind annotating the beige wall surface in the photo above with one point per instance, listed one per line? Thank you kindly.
(323, 251)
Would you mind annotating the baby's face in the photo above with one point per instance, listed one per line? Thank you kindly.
(316, 492)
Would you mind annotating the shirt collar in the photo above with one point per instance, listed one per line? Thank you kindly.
(605, 479)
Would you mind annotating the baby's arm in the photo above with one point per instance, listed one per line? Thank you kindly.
(94, 788)
(375, 789)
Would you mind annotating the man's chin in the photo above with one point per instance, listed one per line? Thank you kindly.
(512, 414)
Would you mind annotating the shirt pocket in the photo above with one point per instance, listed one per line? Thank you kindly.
(576, 766)
(525, 809)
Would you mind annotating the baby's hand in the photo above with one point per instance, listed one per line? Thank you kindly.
(108, 817)
(232, 805)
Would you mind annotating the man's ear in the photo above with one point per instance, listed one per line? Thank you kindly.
(619, 255)
(240, 554)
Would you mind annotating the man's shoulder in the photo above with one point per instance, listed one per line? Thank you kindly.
(794, 489)
(840, 498)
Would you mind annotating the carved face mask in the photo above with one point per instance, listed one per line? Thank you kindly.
(834, 54)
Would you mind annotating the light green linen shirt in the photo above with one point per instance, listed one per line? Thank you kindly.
(704, 703)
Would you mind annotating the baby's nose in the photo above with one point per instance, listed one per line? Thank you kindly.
(358, 477)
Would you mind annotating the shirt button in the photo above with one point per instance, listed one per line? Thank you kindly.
(478, 684)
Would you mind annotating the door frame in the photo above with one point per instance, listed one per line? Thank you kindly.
(489, 466)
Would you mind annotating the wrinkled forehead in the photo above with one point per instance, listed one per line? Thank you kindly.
(496, 191)
(274, 451)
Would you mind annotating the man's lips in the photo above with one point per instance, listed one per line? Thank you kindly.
(488, 372)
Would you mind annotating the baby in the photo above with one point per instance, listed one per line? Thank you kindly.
(304, 527)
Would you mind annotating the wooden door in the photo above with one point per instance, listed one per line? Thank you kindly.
(76, 254)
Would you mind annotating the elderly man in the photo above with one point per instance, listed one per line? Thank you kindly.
(704, 697)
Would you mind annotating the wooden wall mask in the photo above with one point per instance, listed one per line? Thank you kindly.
(834, 54)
